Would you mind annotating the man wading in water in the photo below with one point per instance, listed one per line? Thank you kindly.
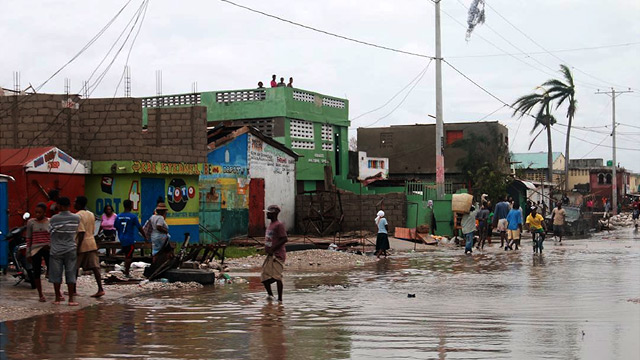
(274, 241)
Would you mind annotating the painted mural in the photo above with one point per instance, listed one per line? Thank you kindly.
(224, 191)
(177, 191)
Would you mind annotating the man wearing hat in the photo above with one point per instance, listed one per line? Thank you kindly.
(273, 266)
(159, 229)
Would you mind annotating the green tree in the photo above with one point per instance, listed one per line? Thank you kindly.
(485, 168)
(562, 91)
(538, 105)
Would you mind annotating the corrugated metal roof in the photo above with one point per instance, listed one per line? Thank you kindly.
(20, 157)
(532, 160)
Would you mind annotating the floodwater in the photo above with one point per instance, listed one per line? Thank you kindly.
(570, 303)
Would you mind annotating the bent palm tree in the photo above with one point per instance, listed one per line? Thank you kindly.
(562, 91)
(540, 103)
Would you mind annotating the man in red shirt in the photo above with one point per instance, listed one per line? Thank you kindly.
(273, 81)
(273, 266)
(53, 196)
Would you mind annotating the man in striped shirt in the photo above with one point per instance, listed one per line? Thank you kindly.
(63, 255)
(38, 244)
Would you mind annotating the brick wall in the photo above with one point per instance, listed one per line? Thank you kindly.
(104, 129)
(359, 210)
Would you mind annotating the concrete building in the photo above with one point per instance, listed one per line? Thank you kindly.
(601, 184)
(245, 172)
(311, 124)
(579, 173)
(533, 167)
(411, 149)
(371, 166)
(158, 161)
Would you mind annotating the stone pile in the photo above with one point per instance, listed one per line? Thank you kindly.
(307, 260)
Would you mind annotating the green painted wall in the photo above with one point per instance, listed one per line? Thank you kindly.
(279, 102)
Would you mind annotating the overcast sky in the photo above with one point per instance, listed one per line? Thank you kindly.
(224, 47)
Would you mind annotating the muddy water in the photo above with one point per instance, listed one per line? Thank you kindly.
(571, 303)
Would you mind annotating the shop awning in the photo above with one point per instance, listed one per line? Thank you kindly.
(41, 159)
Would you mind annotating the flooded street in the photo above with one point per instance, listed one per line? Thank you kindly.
(571, 303)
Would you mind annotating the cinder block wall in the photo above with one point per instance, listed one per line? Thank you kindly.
(104, 129)
(359, 210)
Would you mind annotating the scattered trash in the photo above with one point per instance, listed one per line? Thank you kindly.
(164, 281)
(139, 264)
(333, 247)
(411, 295)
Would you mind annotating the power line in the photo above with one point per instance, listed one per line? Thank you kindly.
(394, 96)
(595, 147)
(403, 99)
(80, 52)
(592, 143)
(548, 52)
(529, 53)
(553, 71)
(52, 123)
(362, 42)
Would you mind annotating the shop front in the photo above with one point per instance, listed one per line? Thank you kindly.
(146, 183)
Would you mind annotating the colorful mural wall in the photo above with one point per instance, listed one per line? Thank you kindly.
(224, 192)
(145, 184)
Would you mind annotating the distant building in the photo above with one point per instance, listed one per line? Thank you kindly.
(533, 167)
(411, 148)
(579, 173)
(313, 125)
(601, 183)
(372, 166)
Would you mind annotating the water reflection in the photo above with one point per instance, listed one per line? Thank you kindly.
(563, 304)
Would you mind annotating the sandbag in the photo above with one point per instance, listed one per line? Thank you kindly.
(461, 203)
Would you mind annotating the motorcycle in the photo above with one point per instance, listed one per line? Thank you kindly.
(18, 254)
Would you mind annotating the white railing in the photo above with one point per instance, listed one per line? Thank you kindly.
(238, 96)
(310, 97)
(171, 100)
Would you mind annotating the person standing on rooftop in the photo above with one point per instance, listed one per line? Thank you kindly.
(273, 81)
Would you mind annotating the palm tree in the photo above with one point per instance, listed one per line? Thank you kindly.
(561, 91)
(540, 104)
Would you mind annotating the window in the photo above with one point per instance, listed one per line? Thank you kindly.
(375, 164)
(301, 129)
(386, 140)
(608, 178)
(453, 136)
(600, 178)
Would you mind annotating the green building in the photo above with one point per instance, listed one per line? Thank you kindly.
(313, 125)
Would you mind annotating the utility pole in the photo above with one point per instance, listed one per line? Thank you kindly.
(614, 178)
(439, 120)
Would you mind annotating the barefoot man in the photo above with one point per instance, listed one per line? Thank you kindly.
(63, 255)
(87, 247)
(274, 241)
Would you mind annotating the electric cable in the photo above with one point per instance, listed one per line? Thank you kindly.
(327, 32)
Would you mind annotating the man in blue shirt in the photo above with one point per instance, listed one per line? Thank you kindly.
(514, 227)
(126, 224)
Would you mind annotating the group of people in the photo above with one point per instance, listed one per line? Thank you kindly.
(507, 218)
(274, 83)
(66, 241)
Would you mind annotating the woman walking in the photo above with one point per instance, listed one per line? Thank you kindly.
(382, 242)
(38, 244)
(107, 223)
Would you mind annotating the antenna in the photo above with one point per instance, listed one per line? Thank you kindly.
(158, 82)
(127, 81)
(16, 82)
(194, 87)
(67, 86)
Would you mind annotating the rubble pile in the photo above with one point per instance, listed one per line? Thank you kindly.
(307, 260)
(620, 221)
